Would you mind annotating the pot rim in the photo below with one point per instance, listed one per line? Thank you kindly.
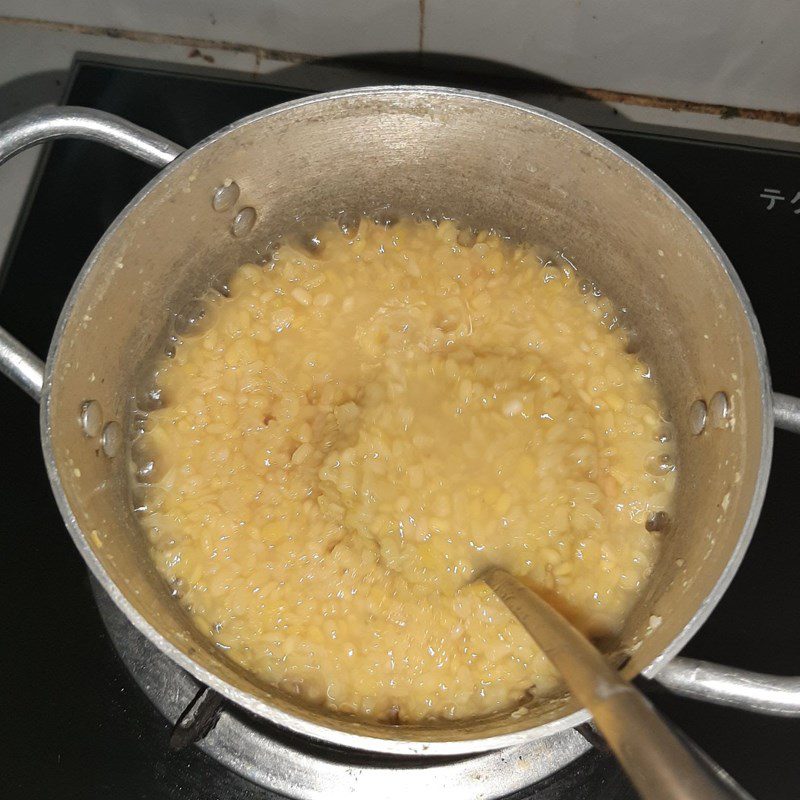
(324, 732)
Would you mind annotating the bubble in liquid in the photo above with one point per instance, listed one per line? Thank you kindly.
(659, 464)
(140, 423)
(664, 435)
(193, 319)
(467, 237)
(267, 253)
(221, 286)
(386, 217)
(349, 223)
(309, 241)
(145, 472)
(176, 586)
(139, 500)
(149, 399)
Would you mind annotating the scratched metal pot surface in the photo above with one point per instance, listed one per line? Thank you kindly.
(415, 147)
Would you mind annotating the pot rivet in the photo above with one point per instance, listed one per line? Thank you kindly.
(225, 196)
(91, 418)
(698, 414)
(243, 222)
(719, 409)
(112, 439)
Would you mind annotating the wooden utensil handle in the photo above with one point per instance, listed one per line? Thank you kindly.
(659, 766)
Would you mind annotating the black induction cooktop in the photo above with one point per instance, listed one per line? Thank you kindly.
(76, 724)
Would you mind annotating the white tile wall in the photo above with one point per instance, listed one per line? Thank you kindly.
(731, 52)
(321, 27)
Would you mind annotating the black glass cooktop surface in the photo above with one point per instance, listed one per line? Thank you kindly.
(77, 726)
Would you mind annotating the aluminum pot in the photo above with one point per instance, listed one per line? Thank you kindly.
(476, 157)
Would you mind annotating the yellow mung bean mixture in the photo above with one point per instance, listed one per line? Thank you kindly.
(363, 424)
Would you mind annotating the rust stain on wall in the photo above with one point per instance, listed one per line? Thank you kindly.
(148, 37)
(726, 112)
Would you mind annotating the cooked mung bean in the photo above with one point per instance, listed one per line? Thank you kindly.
(360, 427)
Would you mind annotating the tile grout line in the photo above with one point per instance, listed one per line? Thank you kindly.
(149, 37)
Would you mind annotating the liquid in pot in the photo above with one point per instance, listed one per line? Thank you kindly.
(360, 426)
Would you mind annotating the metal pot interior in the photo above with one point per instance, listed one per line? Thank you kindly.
(478, 159)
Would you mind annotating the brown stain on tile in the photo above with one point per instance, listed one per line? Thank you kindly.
(148, 37)
(671, 104)
(197, 53)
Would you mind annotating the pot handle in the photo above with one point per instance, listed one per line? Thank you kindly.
(728, 686)
(776, 695)
(787, 412)
(57, 122)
